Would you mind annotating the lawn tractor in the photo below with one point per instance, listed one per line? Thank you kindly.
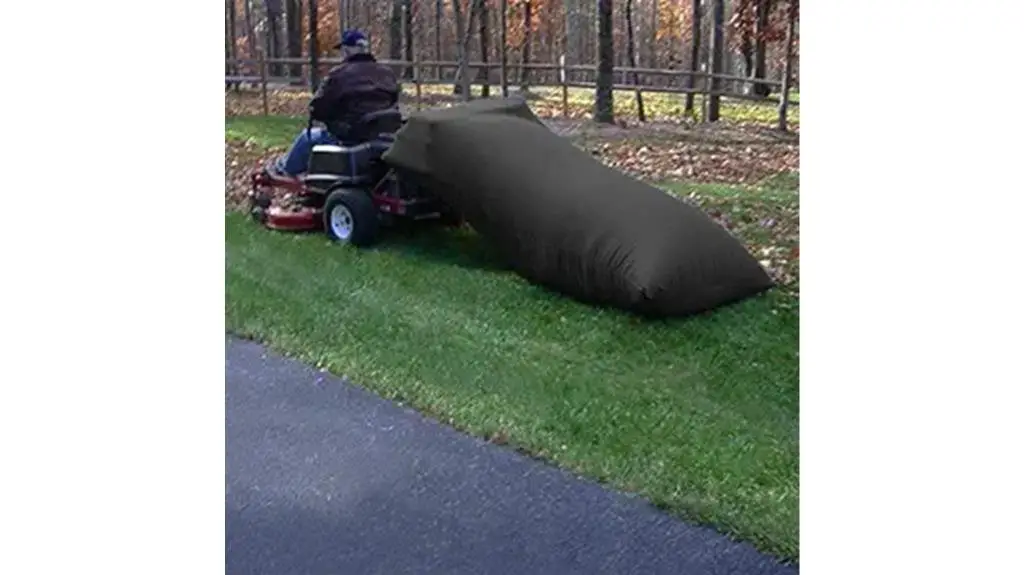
(348, 191)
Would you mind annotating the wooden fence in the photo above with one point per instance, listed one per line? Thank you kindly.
(709, 86)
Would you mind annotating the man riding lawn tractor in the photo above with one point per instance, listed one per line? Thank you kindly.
(358, 87)
(333, 177)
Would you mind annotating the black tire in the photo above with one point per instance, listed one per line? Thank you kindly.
(351, 218)
(258, 206)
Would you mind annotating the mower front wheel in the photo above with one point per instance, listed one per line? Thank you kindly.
(258, 205)
(351, 218)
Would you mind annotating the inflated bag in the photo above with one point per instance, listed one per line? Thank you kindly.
(564, 220)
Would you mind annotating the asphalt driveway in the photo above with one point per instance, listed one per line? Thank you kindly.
(326, 478)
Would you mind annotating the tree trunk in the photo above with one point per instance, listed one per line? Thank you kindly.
(604, 105)
(250, 30)
(250, 33)
(747, 50)
(764, 8)
(438, 55)
(407, 19)
(695, 15)
(524, 72)
(717, 53)
(484, 74)
(503, 54)
(293, 29)
(395, 34)
(463, 33)
(573, 33)
(314, 48)
(230, 39)
(787, 74)
(631, 54)
(273, 8)
(652, 43)
(368, 11)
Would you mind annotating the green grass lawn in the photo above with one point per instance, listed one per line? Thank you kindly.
(266, 131)
(698, 415)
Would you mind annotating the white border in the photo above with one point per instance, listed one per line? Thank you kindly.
(112, 415)
(910, 244)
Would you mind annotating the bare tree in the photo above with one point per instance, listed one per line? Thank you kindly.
(231, 53)
(503, 70)
(695, 15)
(293, 31)
(631, 54)
(574, 29)
(250, 30)
(717, 53)
(314, 48)
(438, 16)
(652, 39)
(787, 73)
(524, 72)
(463, 33)
(250, 33)
(274, 9)
(604, 106)
(742, 15)
(395, 34)
(764, 8)
(483, 74)
(408, 36)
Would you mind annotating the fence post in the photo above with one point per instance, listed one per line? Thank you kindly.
(787, 69)
(563, 80)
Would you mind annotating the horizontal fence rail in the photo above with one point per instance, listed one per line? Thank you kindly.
(618, 70)
(513, 73)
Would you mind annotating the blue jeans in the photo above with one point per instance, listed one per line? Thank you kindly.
(296, 161)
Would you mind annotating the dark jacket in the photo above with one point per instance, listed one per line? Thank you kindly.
(359, 86)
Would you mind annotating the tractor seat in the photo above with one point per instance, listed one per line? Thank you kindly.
(375, 125)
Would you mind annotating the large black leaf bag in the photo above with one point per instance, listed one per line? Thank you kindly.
(564, 220)
(409, 150)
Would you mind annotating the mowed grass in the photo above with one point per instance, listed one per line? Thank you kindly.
(697, 415)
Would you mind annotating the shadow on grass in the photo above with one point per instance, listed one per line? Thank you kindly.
(460, 247)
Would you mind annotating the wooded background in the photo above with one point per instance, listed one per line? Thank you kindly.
(733, 49)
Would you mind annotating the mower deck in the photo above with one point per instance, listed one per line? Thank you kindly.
(301, 220)
(268, 192)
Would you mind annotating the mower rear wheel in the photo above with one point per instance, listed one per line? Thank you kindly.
(351, 218)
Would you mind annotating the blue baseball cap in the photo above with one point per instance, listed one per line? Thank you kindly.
(352, 38)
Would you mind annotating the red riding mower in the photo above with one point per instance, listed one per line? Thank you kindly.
(348, 191)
